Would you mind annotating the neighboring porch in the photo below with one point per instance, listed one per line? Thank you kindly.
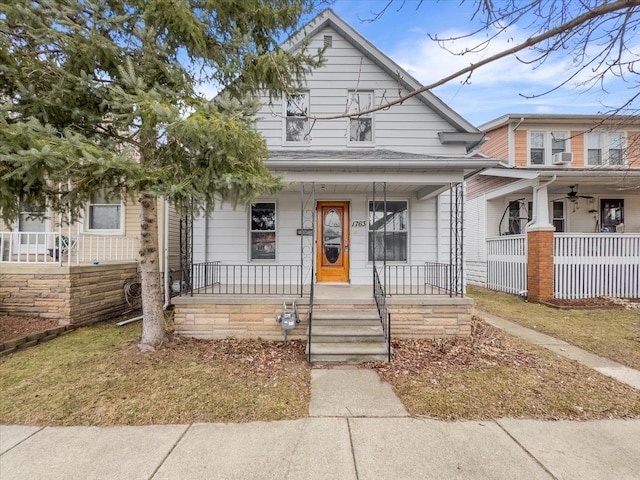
(65, 248)
(565, 235)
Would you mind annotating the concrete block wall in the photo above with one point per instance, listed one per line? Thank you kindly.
(69, 294)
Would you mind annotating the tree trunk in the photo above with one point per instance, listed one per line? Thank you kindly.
(153, 324)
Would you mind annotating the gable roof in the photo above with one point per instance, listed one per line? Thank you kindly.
(329, 18)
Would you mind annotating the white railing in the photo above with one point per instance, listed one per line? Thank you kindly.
(507, 263)
(598, 264)
(56, 249)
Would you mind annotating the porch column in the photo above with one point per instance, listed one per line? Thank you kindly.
(540, 249)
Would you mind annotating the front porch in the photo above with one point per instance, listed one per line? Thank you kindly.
(209, 315)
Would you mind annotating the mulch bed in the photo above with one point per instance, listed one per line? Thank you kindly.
(14, 327)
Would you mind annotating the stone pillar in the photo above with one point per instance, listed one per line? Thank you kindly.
(540, 264)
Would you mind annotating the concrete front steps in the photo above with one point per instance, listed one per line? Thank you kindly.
(347, 336)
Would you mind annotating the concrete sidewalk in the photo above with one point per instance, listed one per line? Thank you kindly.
(328, 448)
(356, 429)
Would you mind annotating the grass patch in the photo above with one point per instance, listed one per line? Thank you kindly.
(494, 375)
(95, 376)
(611, 332)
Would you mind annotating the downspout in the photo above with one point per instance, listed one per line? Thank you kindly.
(167, 287)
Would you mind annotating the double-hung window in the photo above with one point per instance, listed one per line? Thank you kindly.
(296, 117)
(616, 149)
(558, 215)
(361, 126)
(605, 148)
(558, 142)
(105, 212)
(536, 148)
(544, 144)
(388, 230)
(263, 231)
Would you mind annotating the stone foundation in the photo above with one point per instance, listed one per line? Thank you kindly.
(211, 317)
(69, 294)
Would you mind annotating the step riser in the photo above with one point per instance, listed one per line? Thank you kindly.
(346, 339)
(359, 323)
(348, 358)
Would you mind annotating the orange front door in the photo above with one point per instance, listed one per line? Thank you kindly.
(333, 242)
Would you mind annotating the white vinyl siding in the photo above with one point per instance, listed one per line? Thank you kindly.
(411, 127)
(227, 240)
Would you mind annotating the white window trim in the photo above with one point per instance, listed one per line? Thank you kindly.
(354, 144)
(548, 144)
(249, 231)
(390, 262)
(303, 141)
(604, 148)
(98, 231)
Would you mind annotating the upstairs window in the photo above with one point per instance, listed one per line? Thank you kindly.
(105, 212)
(605, 149)
(296, 117)
(263, 231)
(616, 149)
(536, 148)
(558, 142)
(361, 127)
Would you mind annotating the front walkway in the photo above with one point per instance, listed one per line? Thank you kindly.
(603, 365)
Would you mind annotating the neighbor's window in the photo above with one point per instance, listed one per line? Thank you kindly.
(263, 231)
(361, 127)
(616, 149)
(105, 211)
(558, 142)
(536, 148)
(558, 216)
(611, 214)
(594, 149)
(394, 243)
(296, 116)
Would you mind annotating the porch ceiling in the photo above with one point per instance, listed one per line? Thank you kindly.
(586, 181)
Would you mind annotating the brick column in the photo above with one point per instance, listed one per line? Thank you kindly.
(540, 264)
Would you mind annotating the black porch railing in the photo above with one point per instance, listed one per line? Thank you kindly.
(427, 279)
(222, 279)
(383, 310)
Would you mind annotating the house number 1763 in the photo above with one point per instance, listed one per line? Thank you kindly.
(359, 223)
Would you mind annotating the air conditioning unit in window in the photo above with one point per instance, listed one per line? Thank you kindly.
(562, 158)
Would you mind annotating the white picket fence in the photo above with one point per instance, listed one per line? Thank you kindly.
(598, 264)
(507, 263)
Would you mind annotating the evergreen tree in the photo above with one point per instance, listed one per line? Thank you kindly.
(103, 94)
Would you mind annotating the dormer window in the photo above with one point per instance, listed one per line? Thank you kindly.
(360, 127)
(296, 117)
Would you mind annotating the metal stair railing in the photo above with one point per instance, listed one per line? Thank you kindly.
(383, 310)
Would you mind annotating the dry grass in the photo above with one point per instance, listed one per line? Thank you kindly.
(95, 376)
(608, 331)
(495, 375)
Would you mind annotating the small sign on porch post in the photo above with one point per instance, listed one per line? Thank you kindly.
(307, 232)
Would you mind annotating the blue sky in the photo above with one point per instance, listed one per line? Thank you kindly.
(495, 89)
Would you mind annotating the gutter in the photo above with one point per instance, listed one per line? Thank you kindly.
(423, 164)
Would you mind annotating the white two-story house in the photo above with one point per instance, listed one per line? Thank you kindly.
(381, 191)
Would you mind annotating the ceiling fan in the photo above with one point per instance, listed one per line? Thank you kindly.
(573, 196)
